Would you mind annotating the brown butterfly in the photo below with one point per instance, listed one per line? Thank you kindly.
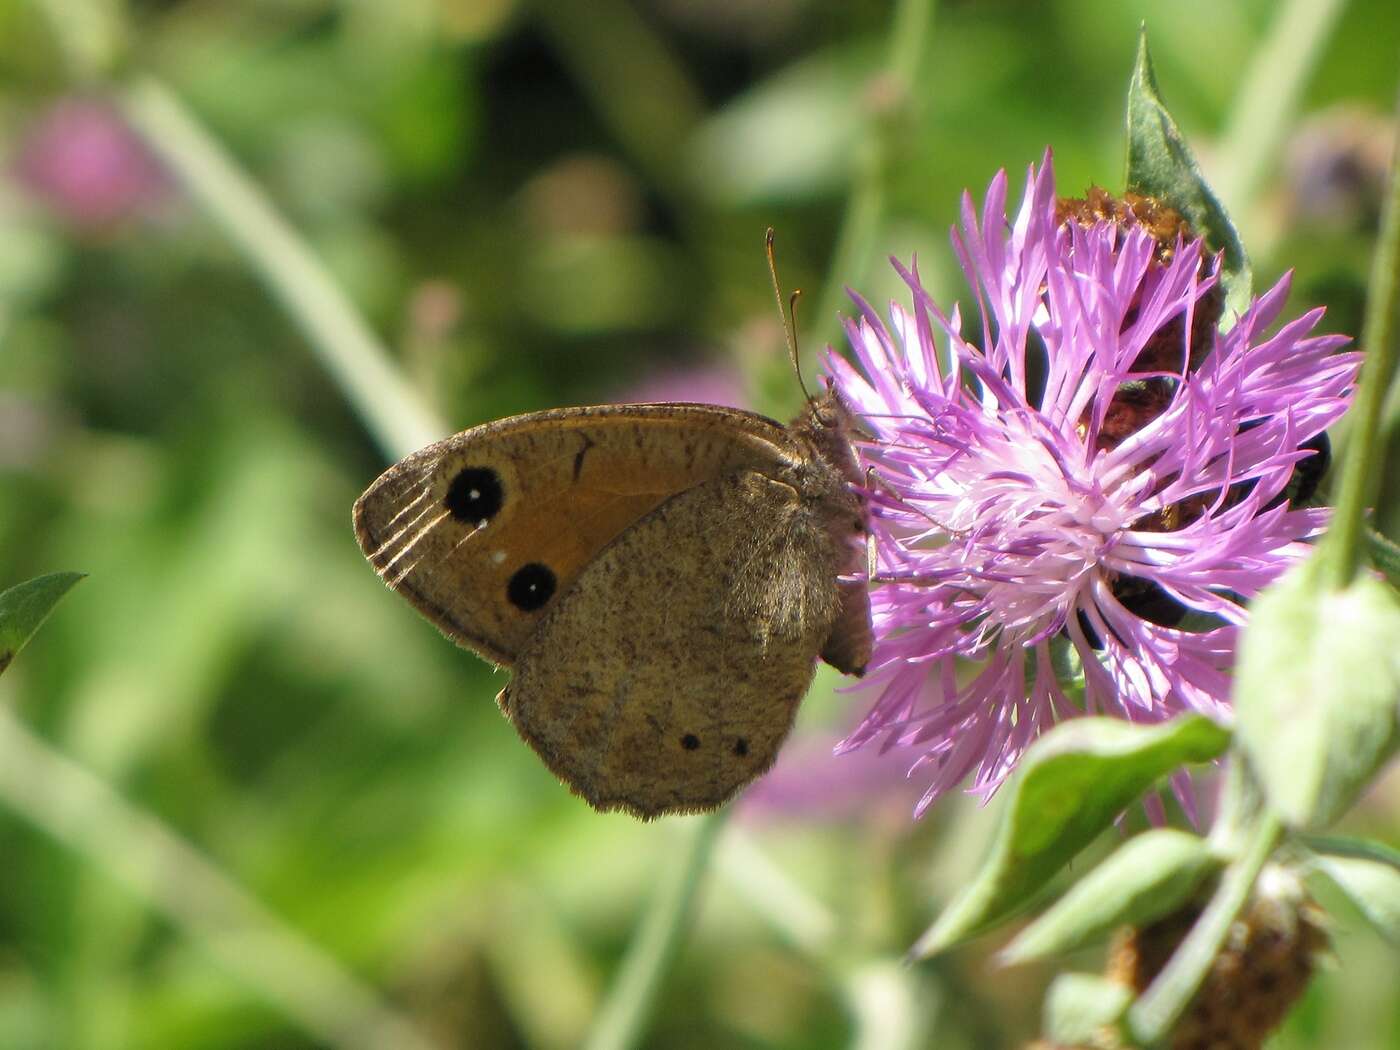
(661, 578)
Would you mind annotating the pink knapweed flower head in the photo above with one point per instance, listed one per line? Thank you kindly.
(86, 164)
(1039, 558)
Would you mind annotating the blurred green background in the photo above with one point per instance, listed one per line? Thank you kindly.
(309, 819)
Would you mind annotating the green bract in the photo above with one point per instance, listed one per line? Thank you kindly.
(1078, 1006)
(1160, 164)
(1317, 688)
(1146, 878)
(1071, 784)
(1373, 886)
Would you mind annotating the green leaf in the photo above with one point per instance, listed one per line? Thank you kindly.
(1363, 849)
(1147, 877)
(792, 137)
(1161, 165)
(1072, 784)
(1078, 1006)
(1316, 693)
(1373, 886)
(27, 605)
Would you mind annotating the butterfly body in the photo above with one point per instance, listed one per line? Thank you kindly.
(660, 578)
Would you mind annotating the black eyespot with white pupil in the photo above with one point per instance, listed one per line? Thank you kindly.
(531, 586)
(475, 495)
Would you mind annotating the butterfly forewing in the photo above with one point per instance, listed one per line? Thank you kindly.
(486, 531)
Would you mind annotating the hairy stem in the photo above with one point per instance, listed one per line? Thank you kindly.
(1344, 544)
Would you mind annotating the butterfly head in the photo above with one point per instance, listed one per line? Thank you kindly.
(830, 425)
(828, 413)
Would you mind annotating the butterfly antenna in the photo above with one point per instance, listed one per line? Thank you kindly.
(786, 311)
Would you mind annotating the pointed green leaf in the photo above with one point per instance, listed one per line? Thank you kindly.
(1160, 164)
(27, 605)
(1072, 784)
(1362, 849)
(1373, 886)
(1079, 1006)
(1316, 692)
(1147, 877)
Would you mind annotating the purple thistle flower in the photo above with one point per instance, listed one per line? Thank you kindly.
(1023, 534)
(93, 170)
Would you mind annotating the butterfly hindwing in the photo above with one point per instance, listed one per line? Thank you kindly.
(655, 705)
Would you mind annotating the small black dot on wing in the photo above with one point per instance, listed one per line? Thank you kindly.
(690, 741)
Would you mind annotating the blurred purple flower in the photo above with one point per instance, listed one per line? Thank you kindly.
(82, 159)
(1335, 168)
(809, 781)
(1022, 527)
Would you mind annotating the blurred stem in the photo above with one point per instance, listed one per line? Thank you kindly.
(1157, 1010)
(890, 1008)
(393, 412)
(1280, 68)
(622, 1021)
(909, 33)
(632, 79)
(799, 918)
(1344, 544)
(855, 242)
(1240, 804)
(78, 809)
(889, 98)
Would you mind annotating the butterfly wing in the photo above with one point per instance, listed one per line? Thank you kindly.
(664, 684)
(484, 532)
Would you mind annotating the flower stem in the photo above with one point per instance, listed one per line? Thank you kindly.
(1157, 1010)
(798, 918)
(396, 416)
(1344, 544)
(860, 224)
(622, 1020)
